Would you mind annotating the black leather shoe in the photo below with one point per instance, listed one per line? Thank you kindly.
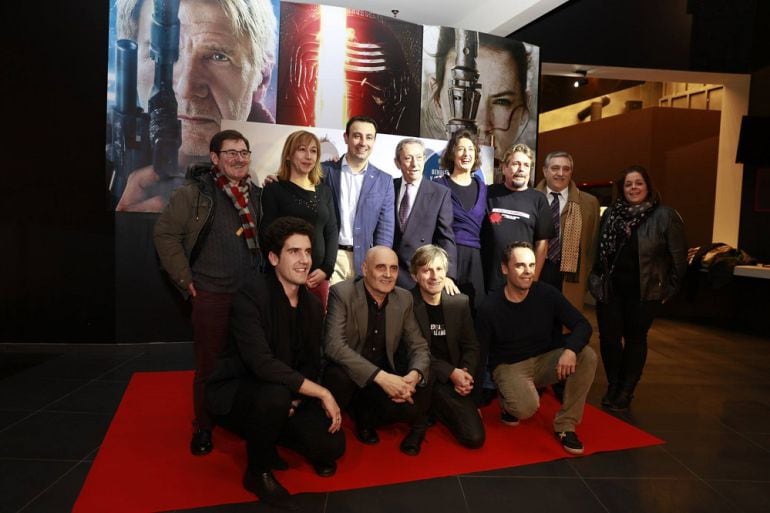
(265, 486)
(325, 468)
(367, 435)
(201, 442)
(412, 442)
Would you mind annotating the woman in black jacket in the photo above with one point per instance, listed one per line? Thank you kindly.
(300, 193)
(642, 260)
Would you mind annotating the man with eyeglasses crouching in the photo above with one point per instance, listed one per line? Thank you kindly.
(206, 239)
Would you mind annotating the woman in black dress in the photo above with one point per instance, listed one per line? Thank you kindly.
(300, 193)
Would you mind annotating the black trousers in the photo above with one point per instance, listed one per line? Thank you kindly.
(551, 274)
(370, 406)
(459, 414)
(260, 415)
(623, 322)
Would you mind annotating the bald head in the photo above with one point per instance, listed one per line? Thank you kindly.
(380, 270)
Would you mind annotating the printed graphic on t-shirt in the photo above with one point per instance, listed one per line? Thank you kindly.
(438, 330)
(513, 215)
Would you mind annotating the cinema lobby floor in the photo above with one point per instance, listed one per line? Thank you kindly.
(705, 392)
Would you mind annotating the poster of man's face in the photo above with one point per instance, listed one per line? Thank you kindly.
(505, 111)
(336, 63)
(223, 70)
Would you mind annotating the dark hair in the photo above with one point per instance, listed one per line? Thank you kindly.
(619, 183)
(283, 228)
(360, 119)
(448, 159)
(508, 251)
(215, 146)
(446, 43)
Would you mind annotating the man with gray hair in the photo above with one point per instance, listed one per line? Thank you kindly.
(423, 213)
(226, 57)
(571, 252)
(446, 323)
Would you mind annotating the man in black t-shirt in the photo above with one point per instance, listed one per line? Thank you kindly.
(516, 323)
(515, 213)
(446, 323)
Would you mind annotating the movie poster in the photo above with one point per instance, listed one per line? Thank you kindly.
(170, 88)
(268, 68)
(489, 86)
(336, 63)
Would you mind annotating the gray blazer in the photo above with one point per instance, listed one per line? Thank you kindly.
(462, 345)
(345, 335)
(430, 222)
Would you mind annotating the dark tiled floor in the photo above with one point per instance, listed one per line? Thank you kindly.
(706, 392)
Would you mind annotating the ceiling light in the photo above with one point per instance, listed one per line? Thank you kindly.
(582, 80)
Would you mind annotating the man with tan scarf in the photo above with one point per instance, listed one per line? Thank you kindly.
(572, 252)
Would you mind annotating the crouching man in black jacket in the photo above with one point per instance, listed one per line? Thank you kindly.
(264, 383)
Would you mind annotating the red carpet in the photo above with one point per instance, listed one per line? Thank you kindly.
(144, 464)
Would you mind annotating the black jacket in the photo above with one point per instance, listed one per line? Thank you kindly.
(258, 346)
(662, 253)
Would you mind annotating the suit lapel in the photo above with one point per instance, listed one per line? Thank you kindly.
(421, 200)
(369, 180)
(360, 305)
(421, 313)
(452, 321)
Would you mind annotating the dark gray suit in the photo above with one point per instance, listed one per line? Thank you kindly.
(457, 412)
(430, 222)
(350, 375)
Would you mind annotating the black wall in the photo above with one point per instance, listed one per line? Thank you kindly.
(57, 271)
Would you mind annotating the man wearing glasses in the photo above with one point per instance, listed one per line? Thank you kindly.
(206, 238)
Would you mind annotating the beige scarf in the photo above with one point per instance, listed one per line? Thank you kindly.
(570, 237)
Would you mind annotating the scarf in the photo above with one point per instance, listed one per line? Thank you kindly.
(623, 218)
(570, 237)
(239, 194)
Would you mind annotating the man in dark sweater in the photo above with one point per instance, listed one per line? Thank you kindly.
(516, 323)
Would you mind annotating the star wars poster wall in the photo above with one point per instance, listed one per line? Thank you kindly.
(179, 70)
(182, 70)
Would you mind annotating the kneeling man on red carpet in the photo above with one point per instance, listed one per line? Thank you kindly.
(517, 324)
(446, 323)
(378, 359)
(264, 382)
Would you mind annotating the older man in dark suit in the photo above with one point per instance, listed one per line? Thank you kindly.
(446, 322)
(423, 213)
(379, 360)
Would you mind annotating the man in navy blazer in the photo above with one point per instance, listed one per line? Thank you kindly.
(363, 199)
(423, 213)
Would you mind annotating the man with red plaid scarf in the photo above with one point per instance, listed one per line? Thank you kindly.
(206, 238)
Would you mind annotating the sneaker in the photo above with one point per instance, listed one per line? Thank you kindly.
(570, 441)
(508, 419)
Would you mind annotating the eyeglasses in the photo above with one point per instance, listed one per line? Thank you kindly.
(231, 154)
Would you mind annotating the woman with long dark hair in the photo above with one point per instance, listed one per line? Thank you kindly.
(642, 260)
(298, 192)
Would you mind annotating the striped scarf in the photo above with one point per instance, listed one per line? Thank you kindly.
(239, 194)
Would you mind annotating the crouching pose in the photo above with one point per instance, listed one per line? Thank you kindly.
(263, 385)
(446, 323)
(378, 359)
(517, 324)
